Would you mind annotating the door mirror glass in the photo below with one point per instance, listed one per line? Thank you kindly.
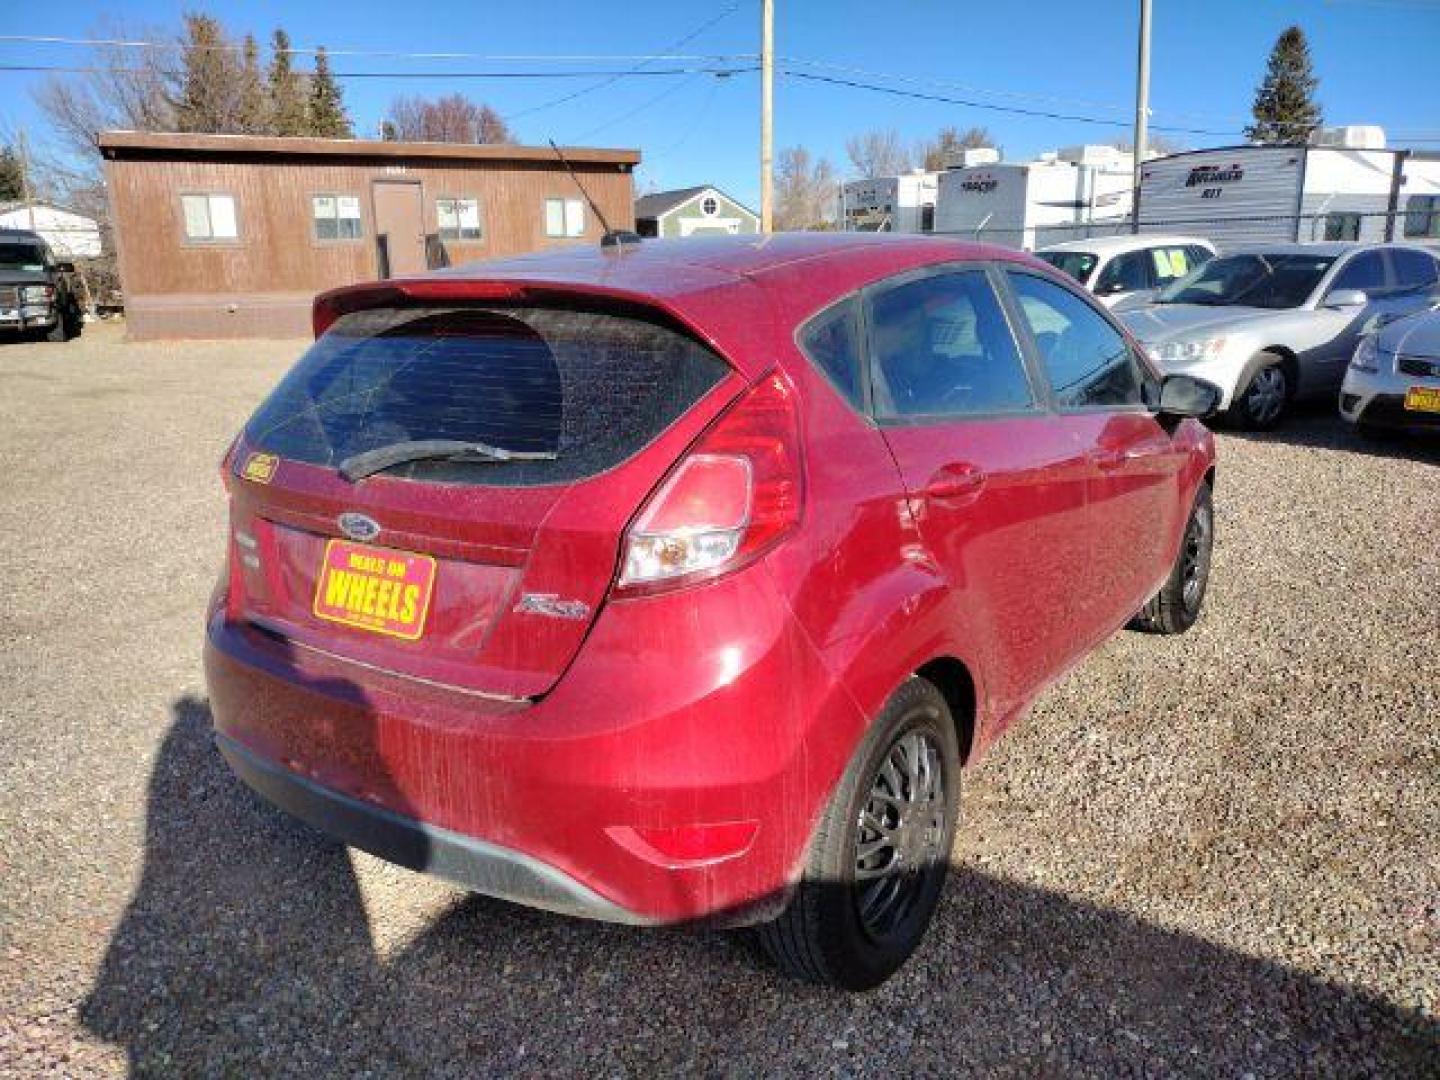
(1185, 395)
(65, 267)
(1340, 299)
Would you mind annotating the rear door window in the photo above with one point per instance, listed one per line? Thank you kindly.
(591, 387)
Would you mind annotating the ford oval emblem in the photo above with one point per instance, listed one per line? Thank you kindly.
(358, 526)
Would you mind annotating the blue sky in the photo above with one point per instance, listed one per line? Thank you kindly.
(1377, 60)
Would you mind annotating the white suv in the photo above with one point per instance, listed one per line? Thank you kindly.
(1117, 268)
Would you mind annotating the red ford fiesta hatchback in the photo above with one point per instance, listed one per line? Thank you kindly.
(679, 581)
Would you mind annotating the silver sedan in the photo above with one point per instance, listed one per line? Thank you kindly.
(1394, 377)
(1269, 325)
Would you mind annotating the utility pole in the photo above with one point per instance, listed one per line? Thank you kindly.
(1142, 110)
(767, 119)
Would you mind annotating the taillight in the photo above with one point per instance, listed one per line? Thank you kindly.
(737, 491)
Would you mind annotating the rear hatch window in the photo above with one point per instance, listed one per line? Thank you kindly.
(587, 389)
(511, 559)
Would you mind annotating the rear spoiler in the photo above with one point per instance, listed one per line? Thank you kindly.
(329, 306)
(394, 292)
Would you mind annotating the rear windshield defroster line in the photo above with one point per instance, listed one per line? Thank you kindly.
(570, 393)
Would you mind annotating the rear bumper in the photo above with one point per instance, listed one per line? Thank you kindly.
(674, 773)
(486, 868)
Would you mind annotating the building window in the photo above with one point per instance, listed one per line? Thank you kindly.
(709, 207)
(1342, 226)
(336, 217)
(209, 218)
(1422, 215)
(458, 219)
(564, 217)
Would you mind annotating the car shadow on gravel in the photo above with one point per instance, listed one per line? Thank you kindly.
(1317, 424)
(246, 949)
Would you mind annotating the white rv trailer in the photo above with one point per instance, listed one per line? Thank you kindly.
(1078, 192)
(902, 204)
(1344, 185)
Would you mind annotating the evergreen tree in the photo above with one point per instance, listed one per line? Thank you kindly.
(12, 174)
(254, 109)
(287, 97)
(208, 94)
(1285, 108)
(327, 118)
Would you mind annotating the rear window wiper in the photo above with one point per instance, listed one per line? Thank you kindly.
(367, 462)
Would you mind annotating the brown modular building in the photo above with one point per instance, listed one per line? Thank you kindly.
(232, 236)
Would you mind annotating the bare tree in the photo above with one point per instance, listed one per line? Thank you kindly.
(124, 87)
(453, 119)
(805, 191)
(940, 152)
(1155, 144)
(877, 153)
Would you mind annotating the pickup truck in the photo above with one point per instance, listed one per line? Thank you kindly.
(36, 292)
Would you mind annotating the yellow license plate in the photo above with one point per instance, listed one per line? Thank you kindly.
(1423, 399)
(374, 588)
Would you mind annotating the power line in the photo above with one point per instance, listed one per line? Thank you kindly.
(678, 43)
(1015, 109)
(1019, 95)
(527, 58)
(655, 100)
(578, 74)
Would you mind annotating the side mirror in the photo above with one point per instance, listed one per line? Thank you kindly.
(65, 267)
(1342, 299)
(1185, 395)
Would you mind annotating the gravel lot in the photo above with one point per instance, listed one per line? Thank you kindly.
(1217, 854)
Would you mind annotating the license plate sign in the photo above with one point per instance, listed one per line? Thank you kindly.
(1423, 399)
(373, 588)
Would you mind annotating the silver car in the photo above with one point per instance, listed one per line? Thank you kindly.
(1394, 377)
(1272, 324)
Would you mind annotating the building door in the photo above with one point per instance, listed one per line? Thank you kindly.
(399, 228)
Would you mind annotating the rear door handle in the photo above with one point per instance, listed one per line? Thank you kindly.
(955, 483)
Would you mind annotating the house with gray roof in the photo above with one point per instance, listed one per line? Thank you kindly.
(693, 211)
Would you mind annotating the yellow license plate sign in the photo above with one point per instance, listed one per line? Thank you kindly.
(374, 588)
(1423, 399)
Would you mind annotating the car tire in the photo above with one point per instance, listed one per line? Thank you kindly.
(1174, 609)
(880, 854)
(1266, 397)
